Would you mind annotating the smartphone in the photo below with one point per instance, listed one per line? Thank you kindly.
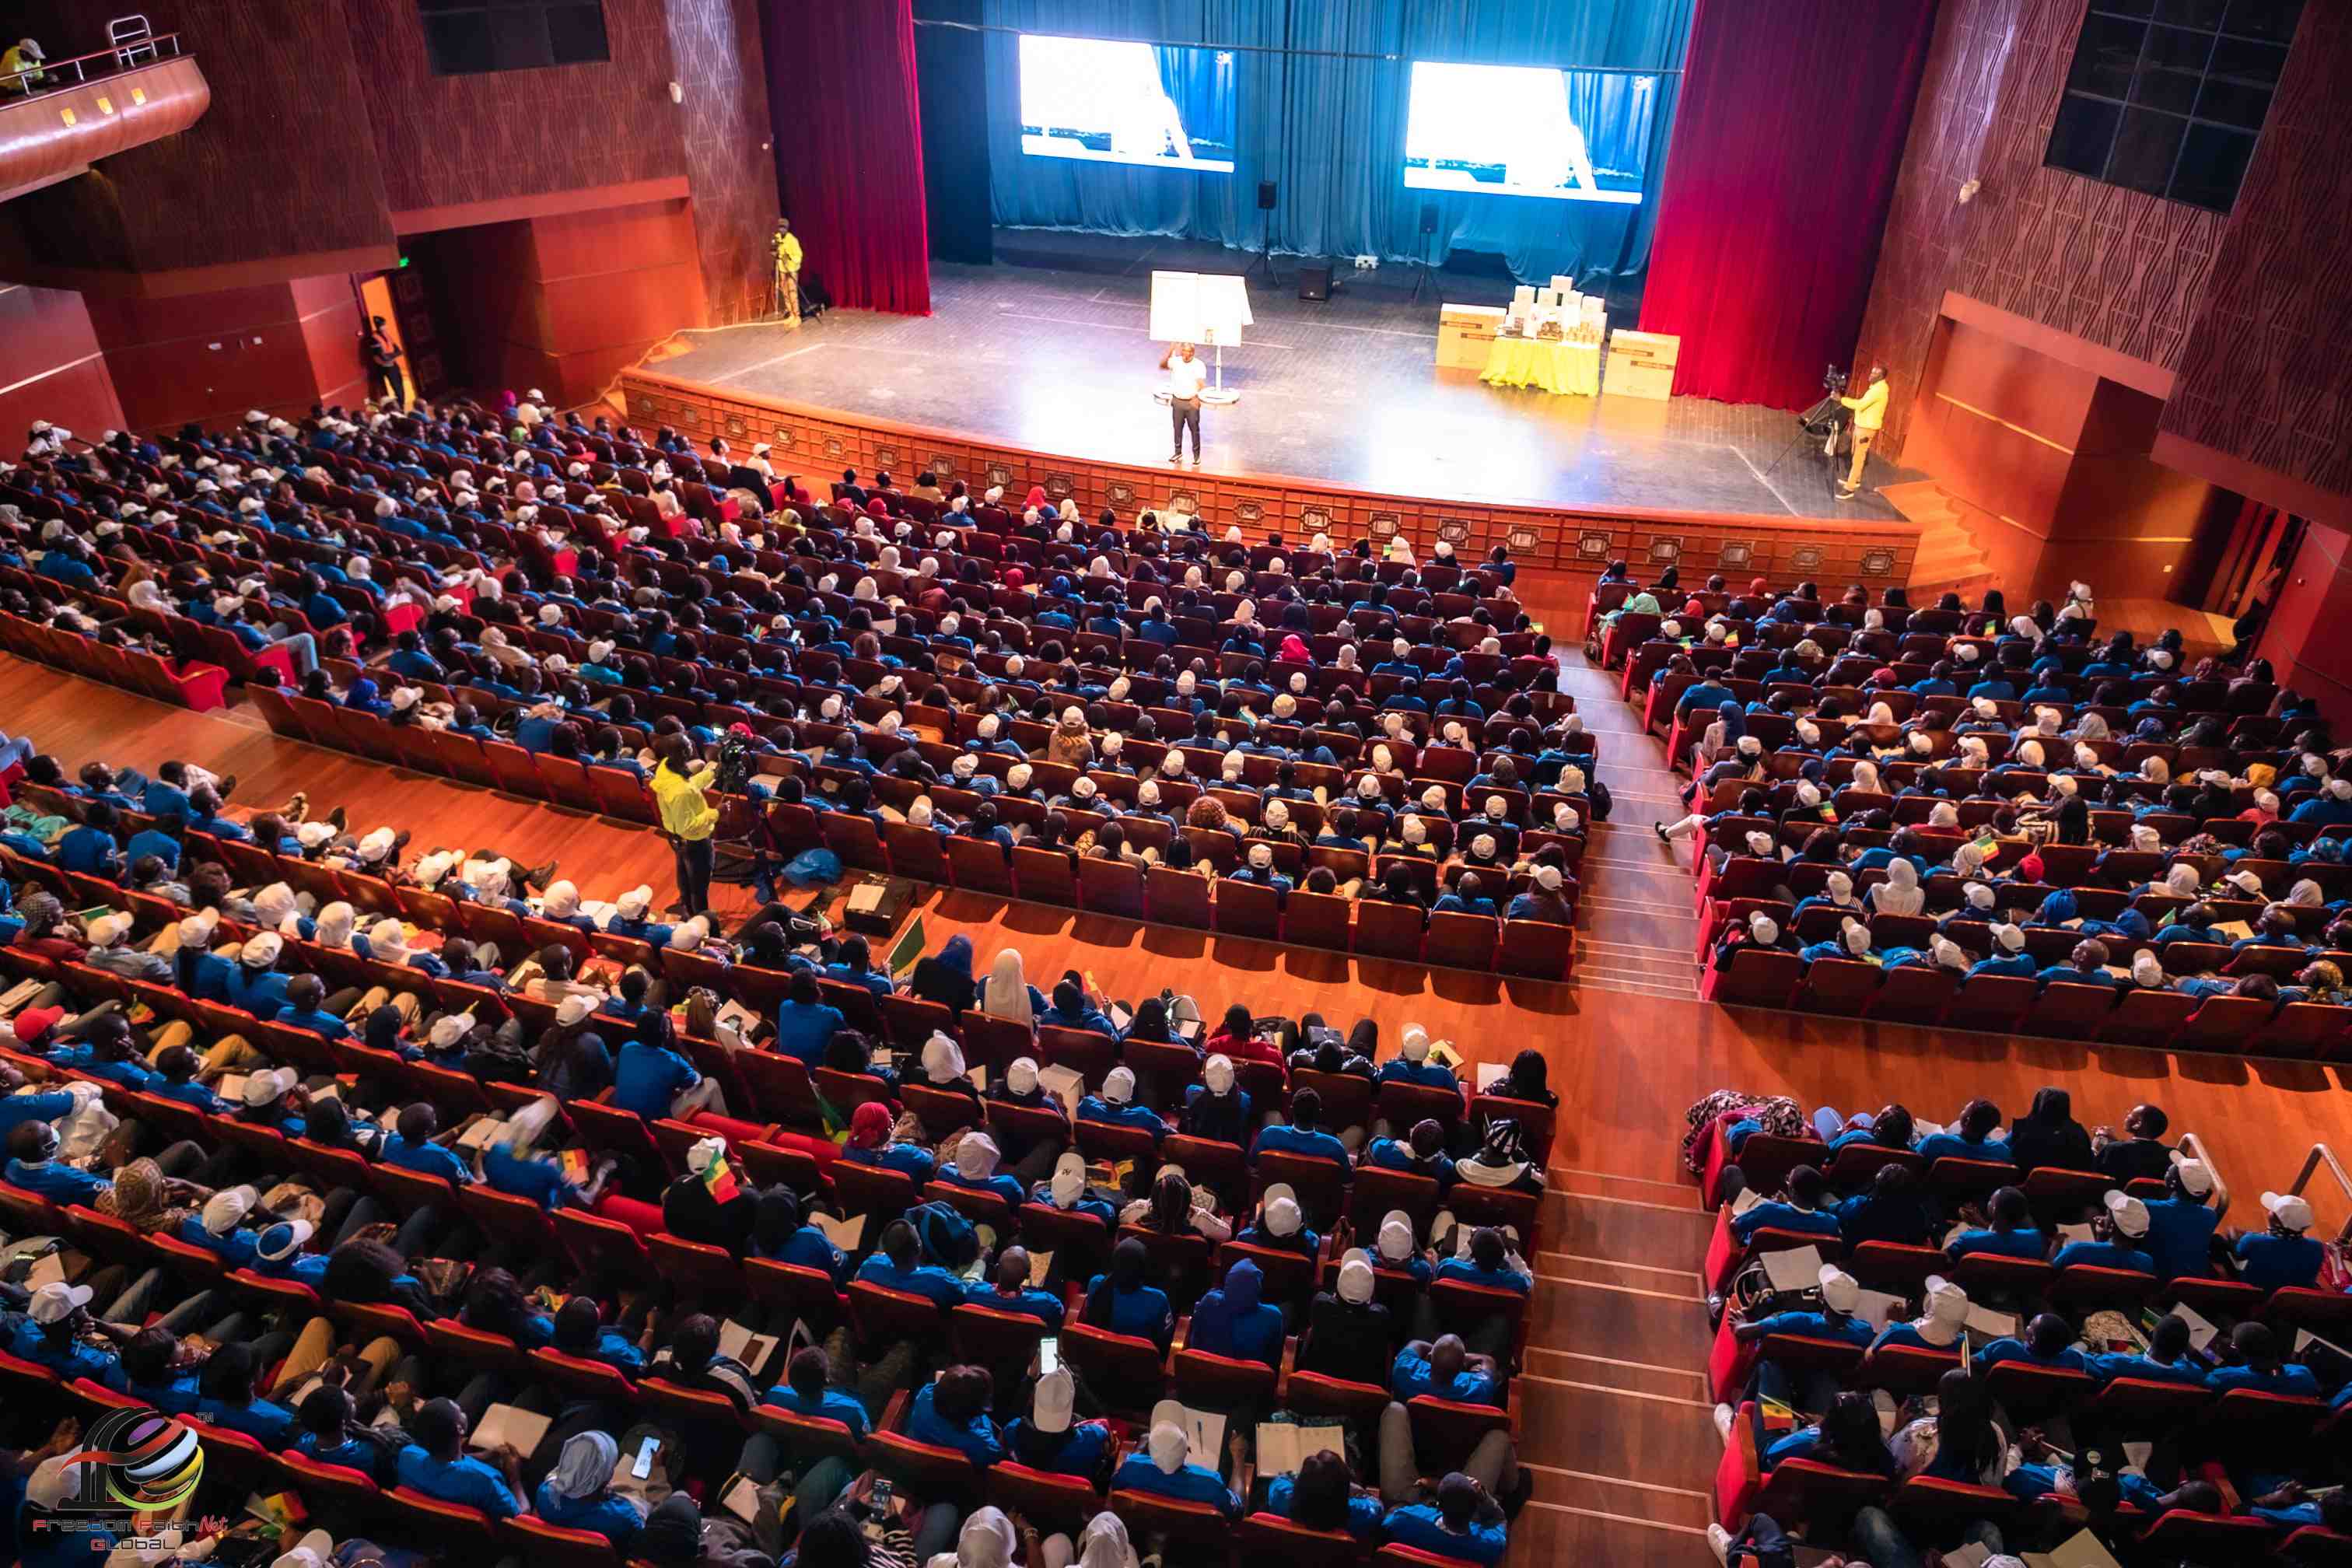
(1049, 1354)
(644, 1468)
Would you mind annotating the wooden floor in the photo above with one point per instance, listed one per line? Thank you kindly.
(1612, 1408)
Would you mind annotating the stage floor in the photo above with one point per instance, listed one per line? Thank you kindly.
(1047, 349)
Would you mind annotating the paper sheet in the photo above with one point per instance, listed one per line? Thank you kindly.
(1747, 1199)
(742, 1499)
(846, 1235)
(740, 1344)
(1797, 1269)
(1284, 1445)
(1063, 1084)
(1490, 1074)
(519, 1429)
(2201, 1333)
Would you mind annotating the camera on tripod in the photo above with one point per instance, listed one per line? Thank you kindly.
(1833, 380)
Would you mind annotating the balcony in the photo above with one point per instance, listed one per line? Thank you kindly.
(95, 106)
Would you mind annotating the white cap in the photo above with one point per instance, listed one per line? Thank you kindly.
(2196, 1175)
(2288, 1210)
(1056, 1394)
(315, 1550)
(1355, 1279)
(1947, 1303)
(449, 1029)
(699, 1157)
(261, 948)
(1841, 1292)
(266, 1086)
(224, 1208)
(2129, 1214)
(1119, 1086)
(574, 1008)
(56, 1301)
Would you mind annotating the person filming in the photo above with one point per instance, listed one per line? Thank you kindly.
(688, 819)
(1869, 414)
(1186, 377)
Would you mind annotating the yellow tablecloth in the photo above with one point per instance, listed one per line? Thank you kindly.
(1554, 367)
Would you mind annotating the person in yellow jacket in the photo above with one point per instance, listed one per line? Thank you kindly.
(788, 270)
(687, 820)
(1869, 414)
(20, 66)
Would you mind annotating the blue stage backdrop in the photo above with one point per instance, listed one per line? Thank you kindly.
(1330, 130)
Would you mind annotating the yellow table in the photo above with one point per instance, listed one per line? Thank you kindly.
(1557, 367)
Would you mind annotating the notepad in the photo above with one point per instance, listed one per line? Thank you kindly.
(482, 1132)
(2076, 1233)
(504, 1424)
(2201, 1333)
(1876, 1308)
(232, 1088)
(1799, 1269)
(1063, 1084)
(1205, 1430)
(1991, 1325)
(741, 1498)
(739, 1343)
(2305, 1338)
(2079, 1550)
(846, 1235)
(1747, 1199)
(1284, 1445)
(1490, 1074)
(48, 1268)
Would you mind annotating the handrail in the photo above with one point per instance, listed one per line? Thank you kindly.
(2193, 1147)
(126, 55)
(2311, 1162)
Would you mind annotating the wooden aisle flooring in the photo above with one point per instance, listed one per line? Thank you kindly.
(1612, 1404)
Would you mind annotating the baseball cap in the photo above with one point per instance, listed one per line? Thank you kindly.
(1056, 1394)
(56, 1302)
(2288, 1210)
(2129, 1214)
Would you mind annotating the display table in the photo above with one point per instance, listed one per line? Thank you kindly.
(1553, 365)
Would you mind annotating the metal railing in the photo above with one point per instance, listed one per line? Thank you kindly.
(2193, 1147)
(2321, 1154)
(129, 51)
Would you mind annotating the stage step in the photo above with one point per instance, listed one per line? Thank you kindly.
(1950, 558)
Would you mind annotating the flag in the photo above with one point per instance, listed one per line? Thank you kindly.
(573, 1163)
(719, 1177)
(907, 949)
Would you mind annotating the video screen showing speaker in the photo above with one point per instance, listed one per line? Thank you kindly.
(1156, 106)
(1529, 131)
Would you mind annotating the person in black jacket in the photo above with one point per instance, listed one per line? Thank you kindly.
(1347, 1329)
(2048, 1134)
(2141, 1152)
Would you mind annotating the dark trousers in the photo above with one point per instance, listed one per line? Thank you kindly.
(694, 856)
(1183, 416)
(383, 383)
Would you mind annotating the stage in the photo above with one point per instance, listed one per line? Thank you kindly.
(1048, 350)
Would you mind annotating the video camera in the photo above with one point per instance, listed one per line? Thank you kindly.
(735, 764)
(1833, 380)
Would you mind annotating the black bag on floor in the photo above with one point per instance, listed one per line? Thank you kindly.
(1598, 794)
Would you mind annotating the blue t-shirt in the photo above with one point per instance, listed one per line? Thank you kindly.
(1079, 1451)
(1411, 1376)
(1042, 1305)
(2270, 1262)
(1420, 1525)
(431, 1158)
(2009, 1347)
(647, 1078)
(1363, 1513)
(2023, 1242)
(804, 1029)
(2123, 1363)
(1283, 1138)
(270, 1424)
(541, 1181)
(612, 1516)
(2289, 1379)
(237, 1248)
(1192, 1483)
(465, 1479)
(928, 1280)
(1817, 1326)
(1774, 1215)
(1952, 1146)
(1143, 1312)
(2104, 1254)
(977, 1439)
(2180, 1238)
(830, 1404)
(808, 1247)
(58, 1183)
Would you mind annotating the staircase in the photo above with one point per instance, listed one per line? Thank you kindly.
(1950, 560)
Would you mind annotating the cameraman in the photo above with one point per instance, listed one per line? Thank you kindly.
(1869, 414)
(687, 820)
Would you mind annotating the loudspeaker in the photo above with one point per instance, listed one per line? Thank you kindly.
(1428, 218)
(1315, 280)
(1265, 196)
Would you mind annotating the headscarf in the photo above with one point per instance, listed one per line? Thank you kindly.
(976, 1157)
(140, 1198)
(1900, 894)
(869, 1125)
(986, 1541)
(1103, 1544)
(585, 1466)
(942, 1059)
(673, 1532)
(1007, 993)
(956, 956)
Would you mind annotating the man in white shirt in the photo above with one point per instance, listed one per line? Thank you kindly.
(1186, 377)
(1869, 414)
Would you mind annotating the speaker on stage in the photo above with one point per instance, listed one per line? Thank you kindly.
(1265, 196)
(1315, 280)
(1428, 218)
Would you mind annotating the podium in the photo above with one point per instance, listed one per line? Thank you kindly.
(1208, 308)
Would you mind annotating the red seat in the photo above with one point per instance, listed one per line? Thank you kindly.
(1127, 1374)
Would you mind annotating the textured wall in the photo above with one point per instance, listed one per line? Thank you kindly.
(447, 140)
(204, 199)
(278, 347)
(56, 371)
(716, 46)
(2265, 378)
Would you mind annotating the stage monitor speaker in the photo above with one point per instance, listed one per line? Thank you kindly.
(1315, 280)
(1265, 196)
(1428, 218)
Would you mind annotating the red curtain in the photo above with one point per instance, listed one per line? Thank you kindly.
(849, 140)
(1790, 130)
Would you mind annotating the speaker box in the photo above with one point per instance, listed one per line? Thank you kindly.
(1428, 218)
(1315, 280)
(1265, 196)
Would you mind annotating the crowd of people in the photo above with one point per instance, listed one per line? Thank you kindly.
(2008, 1290)
(1969, 793)
(1338, 720)
(212, 1062)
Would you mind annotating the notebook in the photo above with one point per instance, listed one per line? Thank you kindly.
(845, 1235)
(741, 1345)
(1490, 1074)
(1284, 1445)
(1063, 1084)
(503, 1424)
(1800, 1268)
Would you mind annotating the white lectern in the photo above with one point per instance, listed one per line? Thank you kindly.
(1207, 307)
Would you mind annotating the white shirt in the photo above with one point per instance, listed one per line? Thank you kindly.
(1186, 377)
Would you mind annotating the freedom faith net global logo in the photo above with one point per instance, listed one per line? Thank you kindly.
(138, 1459)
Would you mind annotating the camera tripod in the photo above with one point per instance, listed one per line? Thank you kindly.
(1825, 422)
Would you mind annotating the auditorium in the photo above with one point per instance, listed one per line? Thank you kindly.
(1139, 783)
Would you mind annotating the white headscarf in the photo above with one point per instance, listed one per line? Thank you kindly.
(1900, 894)
(1103, 1544)
(986, 1541)
(943, 1058)
(1006, 993)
